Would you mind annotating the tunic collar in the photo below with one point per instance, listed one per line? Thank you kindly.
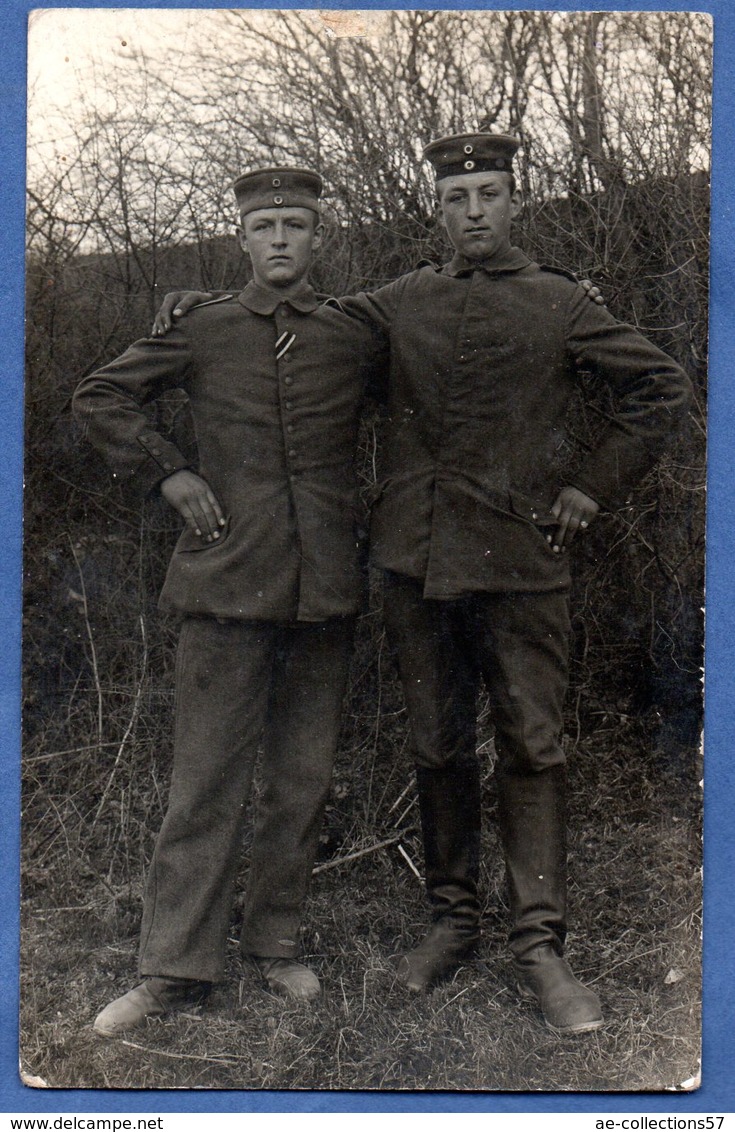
(513, 260)
(261, 300)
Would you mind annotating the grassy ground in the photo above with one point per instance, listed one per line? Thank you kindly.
(635, 936)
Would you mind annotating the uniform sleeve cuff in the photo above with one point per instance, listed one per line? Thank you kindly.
(162, 459)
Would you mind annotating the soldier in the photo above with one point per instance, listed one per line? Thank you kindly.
(266, 579)
(471, 527)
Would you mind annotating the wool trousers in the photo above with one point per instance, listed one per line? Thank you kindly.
(241, 687)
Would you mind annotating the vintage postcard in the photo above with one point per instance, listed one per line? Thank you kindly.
(363, 612)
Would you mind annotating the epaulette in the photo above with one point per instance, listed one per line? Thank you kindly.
(330, 301)
(559, 271)
(211, 302)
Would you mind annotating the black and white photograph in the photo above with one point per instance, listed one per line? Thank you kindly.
(364, 525)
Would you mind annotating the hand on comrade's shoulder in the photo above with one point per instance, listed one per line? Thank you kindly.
(175, 305)
(593, 292)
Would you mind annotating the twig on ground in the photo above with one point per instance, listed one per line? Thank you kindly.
(71, 751)
(410, 863)
(444, 1005)
(333, 864)
(68, 908)
(224, 1060)
(131, 722)
(90, 637)
(629, 959)
(401, 796)
(406, 812)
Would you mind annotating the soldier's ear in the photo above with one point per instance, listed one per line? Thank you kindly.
(242, 237)
(516, 204)
(318, 236)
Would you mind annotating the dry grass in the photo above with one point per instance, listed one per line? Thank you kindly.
(635, 936)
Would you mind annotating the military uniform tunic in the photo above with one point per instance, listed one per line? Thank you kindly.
(275, 389)
(484, 362)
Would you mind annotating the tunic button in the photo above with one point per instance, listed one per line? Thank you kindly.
(156, 451)
(534, 515)
(292, 452)
(167, 467)
(289, 405)
(289, 428)
(288, 381)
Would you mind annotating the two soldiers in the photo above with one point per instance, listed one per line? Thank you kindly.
(470, 528)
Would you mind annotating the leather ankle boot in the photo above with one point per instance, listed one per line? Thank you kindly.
(153, 998)
(288, 977)
(567, 1005)
(439, 953)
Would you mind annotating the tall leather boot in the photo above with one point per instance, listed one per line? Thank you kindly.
(532, 817)
(449, 802)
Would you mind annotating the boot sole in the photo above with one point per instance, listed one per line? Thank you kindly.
(283, 990)
(425, 984)
(119, 1031)
(415, 986)
(281, 987)
(192, 1006)
(412, 984)
(579, 1028)
(126, 1027)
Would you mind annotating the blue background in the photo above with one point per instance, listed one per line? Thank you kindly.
(717, 1094)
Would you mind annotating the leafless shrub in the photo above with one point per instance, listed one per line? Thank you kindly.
(132, 200)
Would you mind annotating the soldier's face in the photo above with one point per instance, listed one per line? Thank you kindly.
(476, 210)
(280, 243)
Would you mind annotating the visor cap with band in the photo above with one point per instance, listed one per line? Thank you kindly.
(472, 153)
(280, 187)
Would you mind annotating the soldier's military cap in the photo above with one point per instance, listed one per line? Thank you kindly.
(471, 153)
(276, 188)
